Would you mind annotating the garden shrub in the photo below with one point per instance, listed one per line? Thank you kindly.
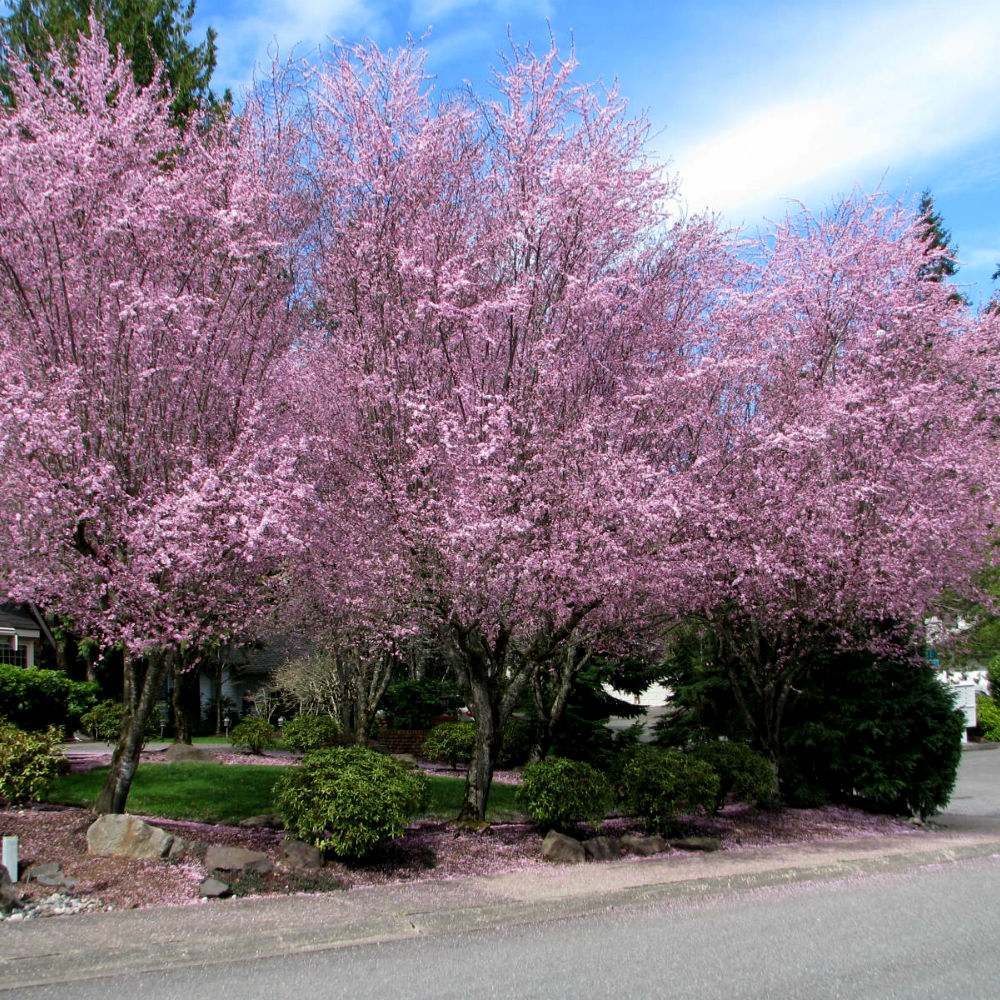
(518, 736)
(559, 793)
(346, 800)
(451, 741)
(659, 784)
(310, 732)
(255, 733)
(104, 722)
(28, 761)
(33, 698)
(744, 773)
(988, 718)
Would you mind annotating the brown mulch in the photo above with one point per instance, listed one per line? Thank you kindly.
(427, 851)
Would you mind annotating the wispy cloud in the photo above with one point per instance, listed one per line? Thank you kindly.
(893, 86)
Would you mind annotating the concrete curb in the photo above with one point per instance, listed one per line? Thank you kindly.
(54, 951)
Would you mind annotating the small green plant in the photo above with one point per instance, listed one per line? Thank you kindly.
(451, 741)
(346, 800)
(310, 732)
(659, 784)
(104, 722)
(255, 734)
(743, 773)
(560, 793)
(988, 718)
(28, 762)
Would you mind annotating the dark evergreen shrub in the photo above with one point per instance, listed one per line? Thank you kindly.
(34, 699)
(414, 704)
(743, 773)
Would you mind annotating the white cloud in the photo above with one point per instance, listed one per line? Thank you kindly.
(896, 86)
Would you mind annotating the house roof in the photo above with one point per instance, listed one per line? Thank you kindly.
(13, 621)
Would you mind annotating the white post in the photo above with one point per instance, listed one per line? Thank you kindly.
(10, 857)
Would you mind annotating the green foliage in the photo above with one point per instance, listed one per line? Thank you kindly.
(255, 734)
(104, 722)
(559, 793)
(413, 704)
(346, 800)
(743, 772)
(147, 30)
(451, 741)
(33, 699)
(660, 784)
(310, 732)
(28, 762)
(988, 718)
(518, 736)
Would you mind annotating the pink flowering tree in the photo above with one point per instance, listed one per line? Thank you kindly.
(849, 478)
(143, 326)
(506, 309)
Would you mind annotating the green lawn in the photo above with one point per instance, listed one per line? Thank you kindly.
(212, 793)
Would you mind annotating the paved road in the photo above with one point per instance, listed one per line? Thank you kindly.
(925, 933)
(907, 916)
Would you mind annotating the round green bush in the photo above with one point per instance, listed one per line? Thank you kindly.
(744, 773)
(36, 698)
(310, 732)
(346, 800)
(104, 722)
(451, 741)
(28, 762)
(659, 784)
(255, 734)
(559, 793)
(988, 718)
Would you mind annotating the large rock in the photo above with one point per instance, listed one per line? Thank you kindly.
(270, 821)
(221, 857)
(213, 888)
(128, 837)
(697, 844)
(299, 855)
(560, 848)
(602, 848)
(50, 873)
(643, 846)
(184, 753)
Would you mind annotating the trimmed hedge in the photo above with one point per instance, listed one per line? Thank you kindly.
(346, 800)
(559, 793)
(33, 699)
(659, 784)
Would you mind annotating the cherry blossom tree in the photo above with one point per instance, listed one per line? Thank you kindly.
(849, 481)
(508, 304)
(143, 325)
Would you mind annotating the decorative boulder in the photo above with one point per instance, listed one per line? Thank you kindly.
(643, 846)
(560, 848)
(697, 844)
(220, 857)
(299, 855)
(213, 888)
(125, 836)
(184, 753)
(602, 848)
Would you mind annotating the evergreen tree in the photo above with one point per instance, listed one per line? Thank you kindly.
(943, 255)
(148, 31)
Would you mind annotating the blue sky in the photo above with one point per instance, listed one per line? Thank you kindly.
(756, 104)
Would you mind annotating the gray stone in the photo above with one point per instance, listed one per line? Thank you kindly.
(184, 753)
(643, 846)
(125, 836)
(178, 848)
(697, 844)
(221, 857)
(213, 888)
(269, 821)
(560, 848)
(300, 855)
(602, 848)
(406, 759)
(42, 870)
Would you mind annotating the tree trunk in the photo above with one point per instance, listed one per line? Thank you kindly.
(186, 703)
(143, 684)
(551, 692)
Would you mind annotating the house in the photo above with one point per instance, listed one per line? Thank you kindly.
(19, 636)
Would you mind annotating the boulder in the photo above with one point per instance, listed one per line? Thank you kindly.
(602, 848)
(643, 846)
(184, 753)
(221, 857)
(125, 836)
(697, 844)
(178, 848)
(269, 821)
(299, 855)
(213, 888)
(560, 848)
(50, 873)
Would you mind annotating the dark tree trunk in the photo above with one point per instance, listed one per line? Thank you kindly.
(186, 698)
(550, 688)
(143, 686)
